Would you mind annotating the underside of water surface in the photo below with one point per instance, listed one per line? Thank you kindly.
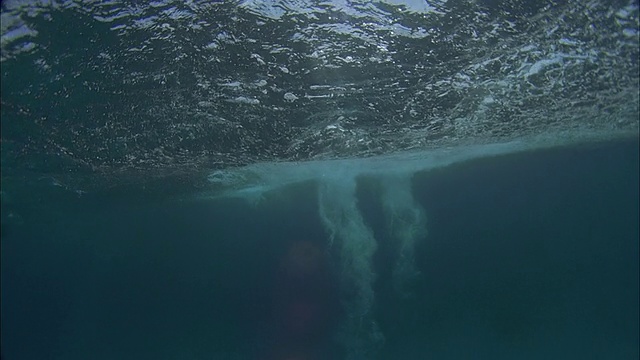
(102, 94)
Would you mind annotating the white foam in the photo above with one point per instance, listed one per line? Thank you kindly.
(253, 179)
(256, 179)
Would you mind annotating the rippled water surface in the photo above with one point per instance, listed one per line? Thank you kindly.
(97, 93)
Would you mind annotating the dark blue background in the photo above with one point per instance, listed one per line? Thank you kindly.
(527, 256)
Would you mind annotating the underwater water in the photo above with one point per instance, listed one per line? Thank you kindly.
(311, 180)
(530, 255)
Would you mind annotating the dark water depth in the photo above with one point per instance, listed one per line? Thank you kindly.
(527, 256)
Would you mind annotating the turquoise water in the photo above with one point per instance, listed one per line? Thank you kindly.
(310, 180)
(525, 256)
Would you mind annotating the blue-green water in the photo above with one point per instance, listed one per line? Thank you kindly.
(527, 256)
(311, 180)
